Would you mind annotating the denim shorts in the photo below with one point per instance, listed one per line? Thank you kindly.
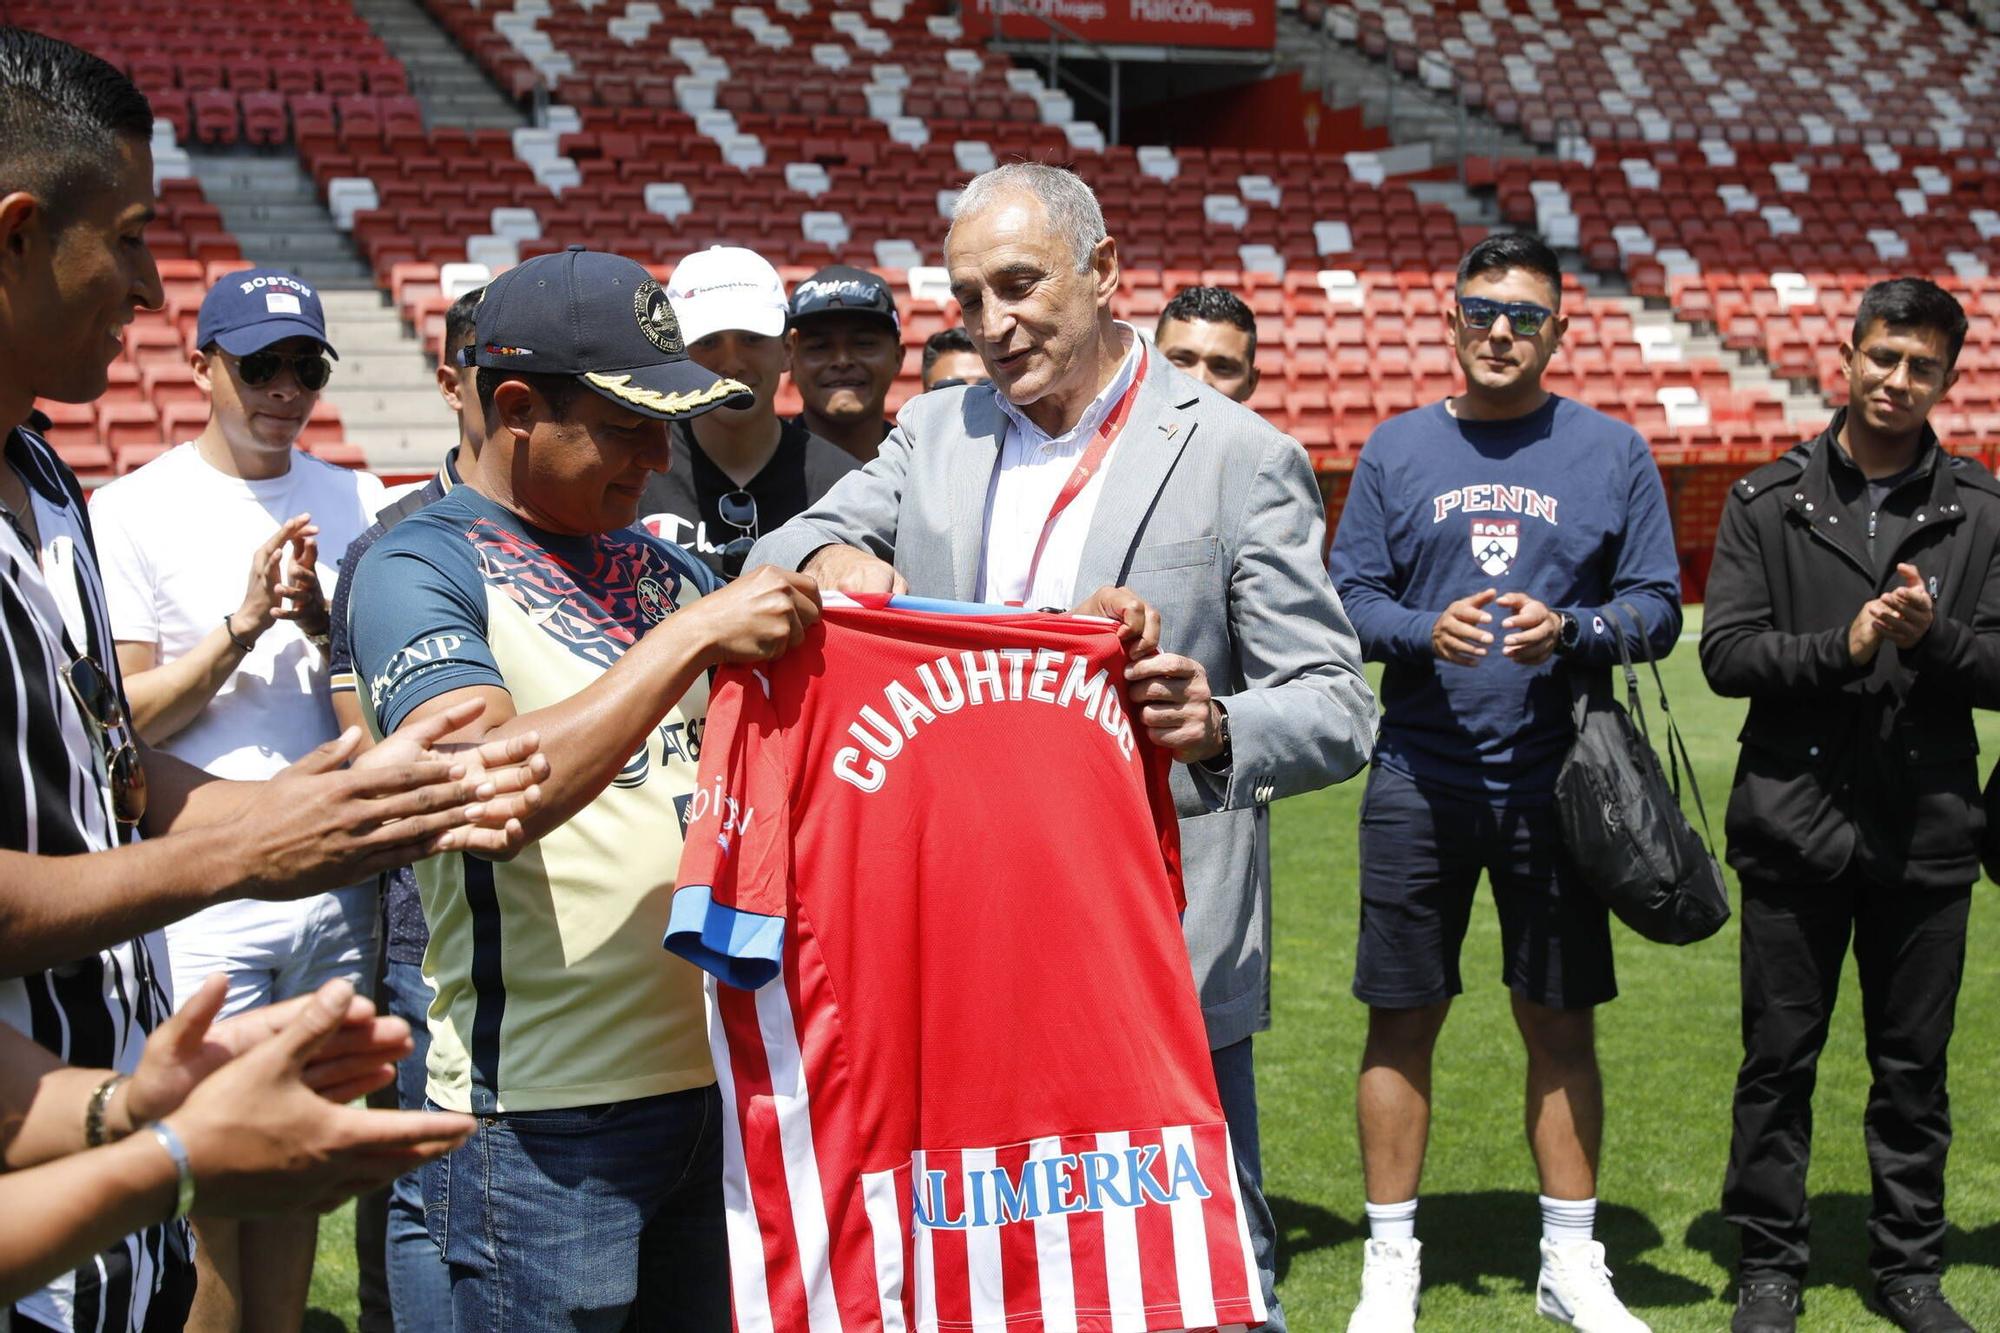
(591, 1218)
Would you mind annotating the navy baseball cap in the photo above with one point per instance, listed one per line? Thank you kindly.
(601, 318)
(248, 311)
(840, 289)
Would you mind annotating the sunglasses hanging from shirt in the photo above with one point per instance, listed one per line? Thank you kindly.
(312, 370)
(97, 698)
(737, 508)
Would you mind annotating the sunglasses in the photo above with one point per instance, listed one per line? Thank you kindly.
(98, 699)
(1524, 317)
(259, 368)
(737, 508)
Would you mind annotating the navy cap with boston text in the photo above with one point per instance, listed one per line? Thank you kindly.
(840, 289)
(602, 318)
(249, 310)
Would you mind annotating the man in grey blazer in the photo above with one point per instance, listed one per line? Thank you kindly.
(1090, 462)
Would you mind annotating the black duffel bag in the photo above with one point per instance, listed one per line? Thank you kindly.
(1621, 819)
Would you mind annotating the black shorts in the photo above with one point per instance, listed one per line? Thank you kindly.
(1422, 851)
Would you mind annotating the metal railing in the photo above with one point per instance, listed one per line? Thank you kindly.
(1059, 36)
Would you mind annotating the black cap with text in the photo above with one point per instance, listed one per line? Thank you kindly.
(843, 290)
(602, 318)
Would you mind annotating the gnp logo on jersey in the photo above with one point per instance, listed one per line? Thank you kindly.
(1495, 543)
(412, 660)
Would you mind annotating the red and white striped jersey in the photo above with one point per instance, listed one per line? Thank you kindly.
(934, 871)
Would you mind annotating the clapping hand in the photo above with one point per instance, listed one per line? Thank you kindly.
(317, 826)
(303, 600)
(262, 1139)
(359, 1057)
(1901, 616)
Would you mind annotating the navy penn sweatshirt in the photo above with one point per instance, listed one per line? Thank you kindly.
(1563, 504)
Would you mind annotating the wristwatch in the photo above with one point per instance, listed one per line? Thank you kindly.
(1569, 632)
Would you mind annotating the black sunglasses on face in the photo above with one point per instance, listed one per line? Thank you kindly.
(102, 709)
(737, 508)
(259, 368)
(1524, 317)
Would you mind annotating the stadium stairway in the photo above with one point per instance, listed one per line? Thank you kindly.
(452, 89)
(1803, 410)
(271, 206)
(1412, 113)
(383, 385)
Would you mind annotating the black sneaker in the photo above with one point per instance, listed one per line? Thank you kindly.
(1767, 1305)
(1920, 1307)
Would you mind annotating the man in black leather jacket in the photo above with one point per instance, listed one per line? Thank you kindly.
(1855, 600)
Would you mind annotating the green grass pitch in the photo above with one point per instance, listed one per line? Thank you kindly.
(1668, 1047)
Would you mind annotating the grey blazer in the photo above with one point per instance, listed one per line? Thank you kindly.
(1212, 516)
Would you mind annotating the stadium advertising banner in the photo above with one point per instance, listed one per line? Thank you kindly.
(1236, 23)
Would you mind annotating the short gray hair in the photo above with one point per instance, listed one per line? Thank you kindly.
(1070, 204)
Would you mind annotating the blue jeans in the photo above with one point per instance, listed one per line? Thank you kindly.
(1236, 1082)
(587, 1218)
(419, 1284)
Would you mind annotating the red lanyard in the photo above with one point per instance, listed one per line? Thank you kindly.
(1086, 468)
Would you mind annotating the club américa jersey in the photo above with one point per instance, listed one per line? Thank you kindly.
(934, 870)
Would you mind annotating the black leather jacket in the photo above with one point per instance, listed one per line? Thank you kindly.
(1871, 765)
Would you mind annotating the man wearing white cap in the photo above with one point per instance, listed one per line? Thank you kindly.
(736, 473)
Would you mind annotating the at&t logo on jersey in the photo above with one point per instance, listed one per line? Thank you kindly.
(1077, 1182)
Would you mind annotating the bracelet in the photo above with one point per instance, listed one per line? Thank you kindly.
(183, 1168)
(93, 1111)
(229, 628)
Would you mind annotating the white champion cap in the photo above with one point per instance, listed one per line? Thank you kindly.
(727, 287)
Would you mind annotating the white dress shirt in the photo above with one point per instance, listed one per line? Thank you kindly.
(1033, 468)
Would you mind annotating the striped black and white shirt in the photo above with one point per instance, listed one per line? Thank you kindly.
(55, 800)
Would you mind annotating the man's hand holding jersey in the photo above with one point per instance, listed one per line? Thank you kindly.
(1175, 704)
(762, 615)
(850, 569)
(589, 736)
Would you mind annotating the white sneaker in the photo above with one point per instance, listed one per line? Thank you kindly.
(1390, 1276)
(1575, 1289)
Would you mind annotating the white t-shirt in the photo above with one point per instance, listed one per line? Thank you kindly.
(174, 540)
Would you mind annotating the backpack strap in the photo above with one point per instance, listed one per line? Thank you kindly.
(1677, 752)
(401, 508)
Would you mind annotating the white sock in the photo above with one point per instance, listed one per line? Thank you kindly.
(1392, 1221)
(1565, 1220)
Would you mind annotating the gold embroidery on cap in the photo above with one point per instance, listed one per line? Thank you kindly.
(621, 386)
